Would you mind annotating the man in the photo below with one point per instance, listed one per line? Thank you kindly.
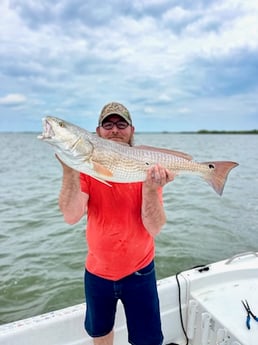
(122, 222)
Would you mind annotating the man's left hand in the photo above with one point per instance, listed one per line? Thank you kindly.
(158, 176)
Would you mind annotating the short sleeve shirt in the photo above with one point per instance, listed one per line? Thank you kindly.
(118, 242)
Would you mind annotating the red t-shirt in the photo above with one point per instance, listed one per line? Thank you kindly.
(118, 242)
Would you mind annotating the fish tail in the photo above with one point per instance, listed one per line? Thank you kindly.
(218, 174)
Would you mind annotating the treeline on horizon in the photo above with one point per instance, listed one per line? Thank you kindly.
(205, 131)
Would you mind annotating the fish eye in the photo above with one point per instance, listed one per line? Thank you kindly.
(61, 124)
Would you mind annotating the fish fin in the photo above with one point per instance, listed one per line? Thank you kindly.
(168, 151)
(219, 173)
(102, 170)
(102, 181)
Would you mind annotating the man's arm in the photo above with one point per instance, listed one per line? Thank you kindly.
(153, 214)
(72, 201)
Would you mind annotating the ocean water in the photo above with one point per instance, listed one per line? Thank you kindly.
(42, 257)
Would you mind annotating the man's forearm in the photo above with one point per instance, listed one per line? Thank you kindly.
(153, 215)
(72, 201)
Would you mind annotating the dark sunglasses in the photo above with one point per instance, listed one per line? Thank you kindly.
(119, 124)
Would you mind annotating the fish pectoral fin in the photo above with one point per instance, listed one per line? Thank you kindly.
(102, 170)
(168, 151)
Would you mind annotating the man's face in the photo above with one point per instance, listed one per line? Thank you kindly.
(115, 128)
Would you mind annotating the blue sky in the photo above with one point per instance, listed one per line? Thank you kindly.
(177, 65)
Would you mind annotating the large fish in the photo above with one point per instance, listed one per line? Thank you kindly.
(107, 160)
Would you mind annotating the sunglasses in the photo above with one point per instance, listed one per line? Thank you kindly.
(119, 124)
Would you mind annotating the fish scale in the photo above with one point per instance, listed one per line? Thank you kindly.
(126, 166)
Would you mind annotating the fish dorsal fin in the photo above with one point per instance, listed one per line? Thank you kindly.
(163, 150)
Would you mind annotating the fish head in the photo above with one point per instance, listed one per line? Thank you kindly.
(66, 137)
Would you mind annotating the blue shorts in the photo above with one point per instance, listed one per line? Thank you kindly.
(138, 293)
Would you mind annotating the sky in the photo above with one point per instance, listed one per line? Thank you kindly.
(177, 65)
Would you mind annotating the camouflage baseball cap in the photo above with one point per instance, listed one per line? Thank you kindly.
(115, 108)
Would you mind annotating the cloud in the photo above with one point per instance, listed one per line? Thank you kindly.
(156, 56)
(12, 100)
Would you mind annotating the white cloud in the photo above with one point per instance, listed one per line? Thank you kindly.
(155, 56)
(177, 14)
(13, 100)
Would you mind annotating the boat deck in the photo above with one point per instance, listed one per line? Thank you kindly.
(216, 314)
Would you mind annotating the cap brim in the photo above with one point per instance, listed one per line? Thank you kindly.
(112, 113)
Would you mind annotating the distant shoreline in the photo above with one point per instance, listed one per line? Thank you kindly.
(205, 131)
(201, 131)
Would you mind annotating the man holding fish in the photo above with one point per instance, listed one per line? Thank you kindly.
(122, 222)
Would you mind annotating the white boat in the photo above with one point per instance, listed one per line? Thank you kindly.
(201, 306)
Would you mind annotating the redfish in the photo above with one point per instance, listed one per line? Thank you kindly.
(106, 160)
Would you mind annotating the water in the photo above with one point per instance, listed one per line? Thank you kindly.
(42, 258)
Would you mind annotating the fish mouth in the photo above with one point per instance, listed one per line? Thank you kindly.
(48, 132)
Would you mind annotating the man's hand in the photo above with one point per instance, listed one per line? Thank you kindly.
(158, 176)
